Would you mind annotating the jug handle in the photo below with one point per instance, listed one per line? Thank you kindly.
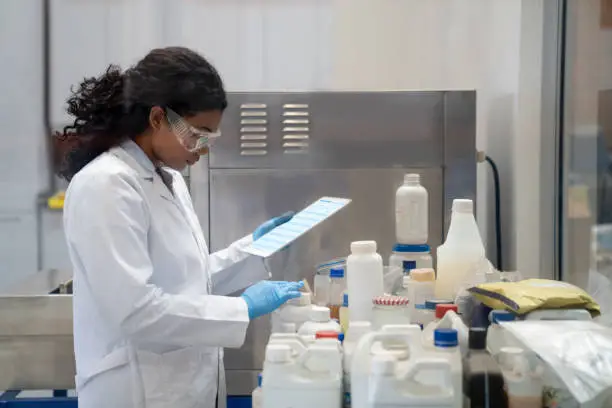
(297, 345)
(365, 344)
(334, 363)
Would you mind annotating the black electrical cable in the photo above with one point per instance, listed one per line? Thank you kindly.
(498, 232)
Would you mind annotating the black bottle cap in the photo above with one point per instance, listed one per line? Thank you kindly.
(478, 338)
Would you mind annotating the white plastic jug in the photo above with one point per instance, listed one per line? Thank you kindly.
(411, 211)
(400, 341)
(390, 369)
(355, 332)
(320, 320)
(295, 311)
(461, 253)
(450, 320)
(364, 279)
(313, 379)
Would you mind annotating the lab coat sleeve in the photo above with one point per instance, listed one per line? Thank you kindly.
(232, 269)
(106, 228)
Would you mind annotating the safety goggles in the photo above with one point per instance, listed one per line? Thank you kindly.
(191, 138)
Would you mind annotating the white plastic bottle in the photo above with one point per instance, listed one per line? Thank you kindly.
(364, 279)
(295, 311)
(446, 344)
(354, 334)
(337, 286)
(314, 379)
(461, 253)
(411, 211)
(257, 395)
(497, 336)
(320, 320)
(419, 287)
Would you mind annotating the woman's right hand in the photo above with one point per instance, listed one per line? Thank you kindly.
(266, 296)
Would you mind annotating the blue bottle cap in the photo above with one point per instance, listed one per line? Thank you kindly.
(259, 378)
(340, 337)
(431, 303)
(446, 338)
(345, 299)
(336, 273)
(502, 316)
(411, 248)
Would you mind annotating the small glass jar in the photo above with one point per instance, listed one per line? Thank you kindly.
(389, 310)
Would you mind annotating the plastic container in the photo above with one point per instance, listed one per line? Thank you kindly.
(390, 310)
(483, 377)
(410, 257)
(354, 334)
(320, 320)
(321, 289)
(447, 318)
(411, 211)
(364, 278)
(344, 313)
(418, 288)
(337, 287)
(462, 252)
(313, 379)
(497, 336)
(524, 386)
(446, 344)
(406, 349)
(296, 311)
(257, 394)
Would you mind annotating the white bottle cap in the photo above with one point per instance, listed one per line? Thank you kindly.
(304, 300)
(363, 247)
(422, 275)
(463, 206)
(320, 314)
(412, 178)
(383, 364)
(278, 353)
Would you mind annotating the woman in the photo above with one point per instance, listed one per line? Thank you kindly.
(150, 315)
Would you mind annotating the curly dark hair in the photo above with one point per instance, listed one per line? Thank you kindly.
(116, 105)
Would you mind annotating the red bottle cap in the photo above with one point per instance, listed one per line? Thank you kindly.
(442, 309)
(326, 334)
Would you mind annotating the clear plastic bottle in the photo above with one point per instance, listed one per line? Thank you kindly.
(257, 395)
(461, 253)
(344, 313)
(364, 278)
(337, 286)
(411, 211)
(497, 336)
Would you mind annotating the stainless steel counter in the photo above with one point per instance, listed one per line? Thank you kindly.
(36, 348)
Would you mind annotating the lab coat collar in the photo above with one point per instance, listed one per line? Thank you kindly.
(138, 154)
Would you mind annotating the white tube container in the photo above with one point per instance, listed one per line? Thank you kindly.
(364, 279)
(461, 253)
(320, 320)
(419, 287)
(411, 211)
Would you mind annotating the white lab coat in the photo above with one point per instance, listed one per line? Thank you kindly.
(149, 325)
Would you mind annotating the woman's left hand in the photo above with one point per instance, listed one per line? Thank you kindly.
(269, 225)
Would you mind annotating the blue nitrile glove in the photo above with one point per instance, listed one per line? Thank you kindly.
(266, 296)
(269, 225)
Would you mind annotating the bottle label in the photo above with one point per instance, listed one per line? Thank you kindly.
(408, 266)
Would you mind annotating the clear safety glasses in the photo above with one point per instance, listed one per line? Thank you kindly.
(193, 139)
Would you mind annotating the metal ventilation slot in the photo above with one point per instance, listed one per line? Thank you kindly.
(296, 128)
(254, 130)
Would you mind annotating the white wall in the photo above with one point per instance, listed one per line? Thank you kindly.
(316, 44)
